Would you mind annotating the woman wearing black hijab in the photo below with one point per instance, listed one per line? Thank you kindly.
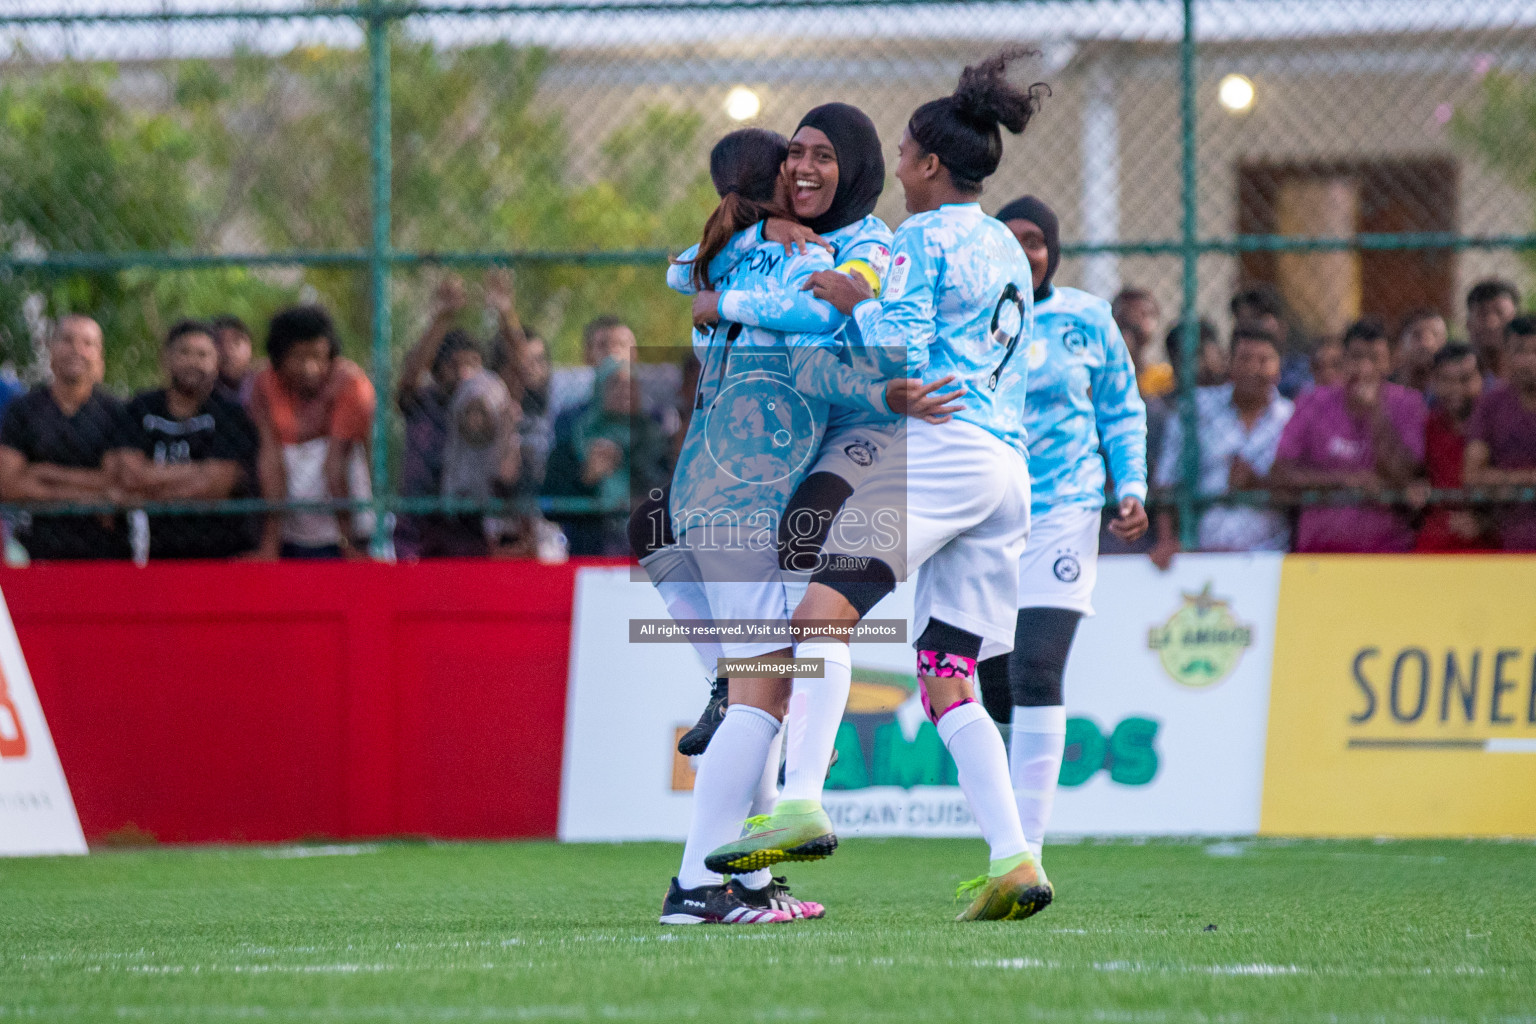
(1082, 399)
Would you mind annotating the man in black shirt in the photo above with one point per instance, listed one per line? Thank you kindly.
(188, 442)
(55, 445)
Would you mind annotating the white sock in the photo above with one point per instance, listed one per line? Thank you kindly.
(977, 748)
(728, 772)
(673, 575)
(815, 712)
(1034, 760)
(768, 783)
(762, 803)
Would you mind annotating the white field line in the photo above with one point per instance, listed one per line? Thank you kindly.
(557, 1011)
(1238, 970)
(301, 852)
(1254, 970)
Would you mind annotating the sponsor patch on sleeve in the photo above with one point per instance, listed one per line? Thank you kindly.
(879, 259)
(896, 283)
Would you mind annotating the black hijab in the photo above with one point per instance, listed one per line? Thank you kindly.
(1031, 209)
(860, 165)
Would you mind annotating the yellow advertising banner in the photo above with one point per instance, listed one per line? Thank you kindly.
(1403, 698)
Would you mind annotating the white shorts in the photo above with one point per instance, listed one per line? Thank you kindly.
(856, 452)
(1061, 564)
(959, 499)
(739, 583)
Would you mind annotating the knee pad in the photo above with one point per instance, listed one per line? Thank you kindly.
(862, 585)
(1041, 642)
(806, 522)
(650, 525)
(945, 652)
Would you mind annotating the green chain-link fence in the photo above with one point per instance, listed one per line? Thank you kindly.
(179, 158)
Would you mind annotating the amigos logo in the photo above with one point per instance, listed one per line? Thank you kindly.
(887, 740)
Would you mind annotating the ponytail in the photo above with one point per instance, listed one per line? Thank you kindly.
(963, 129)
(735, 213)
(744, 167)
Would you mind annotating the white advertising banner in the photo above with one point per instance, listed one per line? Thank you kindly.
(37, 816)
(1167, 695)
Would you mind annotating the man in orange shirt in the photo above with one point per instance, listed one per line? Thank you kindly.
(314, 412)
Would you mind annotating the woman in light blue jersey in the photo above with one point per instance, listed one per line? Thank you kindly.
(835, 173)
(953, 505)
(759, 414)
(1082, 398)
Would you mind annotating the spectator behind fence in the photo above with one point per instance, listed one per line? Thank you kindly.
(1239, 426)
(1491, 305)
(237, 370)
(523, 362)
(1501, 437)
(1455, 384)
(56, 445)
(1137, 314)
(607, 337)
(1365, 433)
(1212, 362)
(1262, 306)
(190, 442)
(432, 370)
(1421, 336)
(605, 449)
(1327, 363)
(480, 461)
(1160, 411)
(313, 410)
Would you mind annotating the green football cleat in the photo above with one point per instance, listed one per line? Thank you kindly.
(1021, 892)
(796, 830)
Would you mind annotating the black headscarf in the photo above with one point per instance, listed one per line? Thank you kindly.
(1031, 209)
(860, 164)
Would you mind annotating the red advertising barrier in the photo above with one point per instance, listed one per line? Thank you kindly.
(253, 701)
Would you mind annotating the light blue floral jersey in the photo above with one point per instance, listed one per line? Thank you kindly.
(958, 300)
(865, 242)
(763, 397)
(1082, 396)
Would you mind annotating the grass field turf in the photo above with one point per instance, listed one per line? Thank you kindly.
(1306, 931)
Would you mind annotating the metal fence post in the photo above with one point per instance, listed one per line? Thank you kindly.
(380, 256)
(1189, 336)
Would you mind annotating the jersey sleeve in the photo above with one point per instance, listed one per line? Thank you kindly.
(680, 271)
(902, 319)
(679, 274)
(1121, 415)
(785, 307)
(870, 259)
(819, 373)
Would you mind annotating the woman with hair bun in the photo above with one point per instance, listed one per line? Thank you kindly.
(957, 301)
(760, 411)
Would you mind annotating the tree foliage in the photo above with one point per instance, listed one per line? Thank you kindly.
(270, 153)
(1500, 128)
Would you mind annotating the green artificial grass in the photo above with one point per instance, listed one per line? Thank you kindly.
(1333, 932)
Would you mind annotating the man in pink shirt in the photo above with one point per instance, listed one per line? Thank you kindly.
(1364, 433)
(1501, 436)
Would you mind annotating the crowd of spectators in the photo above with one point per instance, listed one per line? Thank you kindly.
(480, 426)
(1367, 426)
